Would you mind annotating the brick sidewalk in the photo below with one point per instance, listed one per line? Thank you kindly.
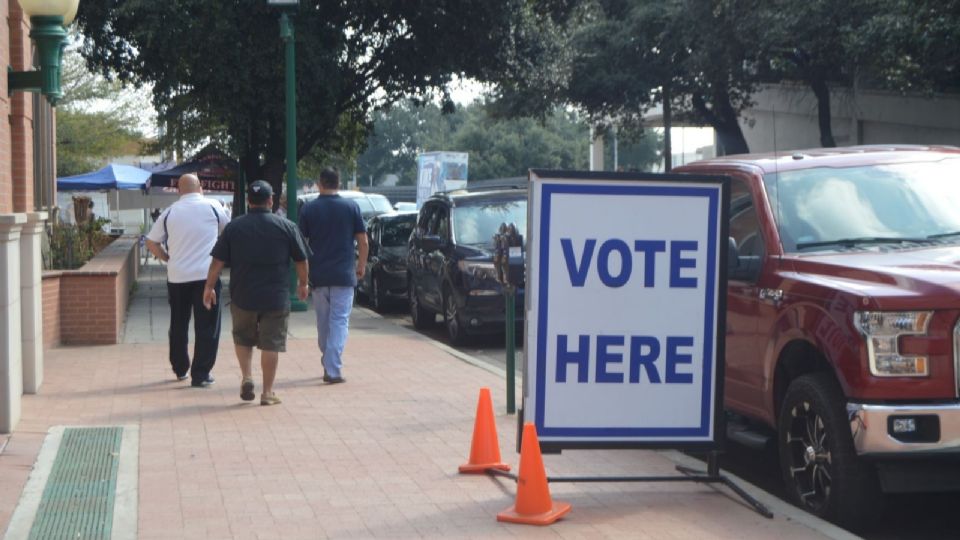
(375, 457)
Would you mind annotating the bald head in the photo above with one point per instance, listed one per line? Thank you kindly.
(189, 183)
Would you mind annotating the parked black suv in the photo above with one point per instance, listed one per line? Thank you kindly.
(386, 275)
(450, 261)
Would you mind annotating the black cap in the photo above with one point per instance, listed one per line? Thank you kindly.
(259, 192)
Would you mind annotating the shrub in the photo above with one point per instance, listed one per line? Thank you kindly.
(71, 246)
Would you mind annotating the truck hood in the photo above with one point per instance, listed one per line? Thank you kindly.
(927, 277)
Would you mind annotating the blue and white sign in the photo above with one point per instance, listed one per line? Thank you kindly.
(624, 306)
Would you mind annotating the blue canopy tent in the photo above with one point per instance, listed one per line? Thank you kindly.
(113, 177)
(110, 177)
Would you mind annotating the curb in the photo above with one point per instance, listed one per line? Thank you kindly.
(776, 505)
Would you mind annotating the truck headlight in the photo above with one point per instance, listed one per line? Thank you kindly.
(882, 331)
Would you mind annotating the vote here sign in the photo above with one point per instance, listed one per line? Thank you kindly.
(625, 289)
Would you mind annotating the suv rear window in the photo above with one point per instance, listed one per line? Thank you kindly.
(395, 232)
(477, 223)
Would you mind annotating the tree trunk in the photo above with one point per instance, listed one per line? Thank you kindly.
(667, 125)
(724, 120)
(250, 167)
(820, 89)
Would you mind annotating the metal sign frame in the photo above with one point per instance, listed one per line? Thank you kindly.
(710, 434)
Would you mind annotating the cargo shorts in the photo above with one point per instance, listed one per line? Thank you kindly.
(266, 330)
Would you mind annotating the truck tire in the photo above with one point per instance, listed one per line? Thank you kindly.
(821, 469)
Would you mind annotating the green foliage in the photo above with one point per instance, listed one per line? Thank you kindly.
(217, 66)
(71, 246)
(911, 45)
(614, 59)
(498, 147)
(86, 138)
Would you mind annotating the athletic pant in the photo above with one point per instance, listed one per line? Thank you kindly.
(187, 298)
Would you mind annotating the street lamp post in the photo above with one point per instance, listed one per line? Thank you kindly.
(286, 34)
(48, 22)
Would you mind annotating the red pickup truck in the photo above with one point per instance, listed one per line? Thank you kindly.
(843, 318)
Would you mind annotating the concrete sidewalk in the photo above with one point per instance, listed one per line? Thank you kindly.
(376, 457)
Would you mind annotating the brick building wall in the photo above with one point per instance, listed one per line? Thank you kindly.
(6, 181)
(21, 114)
(94, 299)
(51, 309)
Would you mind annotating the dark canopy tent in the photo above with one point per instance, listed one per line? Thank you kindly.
(216, 171)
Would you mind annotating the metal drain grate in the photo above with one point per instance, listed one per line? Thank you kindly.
(78, 499)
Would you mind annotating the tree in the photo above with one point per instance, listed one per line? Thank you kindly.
(87, 138)
(217, 65)
(617, 58)
(498, 147)
(503, 148)
(911, 46)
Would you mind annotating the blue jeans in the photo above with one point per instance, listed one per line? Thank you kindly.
(333, 305)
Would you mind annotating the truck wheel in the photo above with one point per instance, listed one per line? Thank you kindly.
(822, 472)
(422, 318)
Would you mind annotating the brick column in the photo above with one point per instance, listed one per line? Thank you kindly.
(21, 114)
(31, 301)
(11, 370)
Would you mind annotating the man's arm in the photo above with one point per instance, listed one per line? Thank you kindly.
(213, 274)
(303, 284)
(157, 250)
(363, 248)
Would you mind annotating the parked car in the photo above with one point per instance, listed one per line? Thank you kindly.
(371, 204)
(450, 261)
(843, 319)
(405, 207)
(386, 277)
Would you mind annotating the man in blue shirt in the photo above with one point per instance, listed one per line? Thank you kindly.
(331, 224)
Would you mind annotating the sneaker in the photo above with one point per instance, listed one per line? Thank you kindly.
(203, 383)
(333, 380)
(182, 377)
(246, 390)
(272, 399)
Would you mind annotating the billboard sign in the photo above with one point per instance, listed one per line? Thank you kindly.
(440, 171)
(625, 314)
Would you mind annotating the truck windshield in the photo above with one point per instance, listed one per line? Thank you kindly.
(476, 224)
(824, 208)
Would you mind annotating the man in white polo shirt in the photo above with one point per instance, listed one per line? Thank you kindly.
(183, 237)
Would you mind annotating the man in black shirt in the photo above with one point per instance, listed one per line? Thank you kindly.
(258, 247)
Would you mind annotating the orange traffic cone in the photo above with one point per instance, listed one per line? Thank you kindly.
(533, 505)
(485, 449)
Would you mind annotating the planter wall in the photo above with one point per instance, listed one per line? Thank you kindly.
(92, 300)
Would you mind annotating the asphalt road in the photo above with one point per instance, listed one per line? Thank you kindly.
(903, 517)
